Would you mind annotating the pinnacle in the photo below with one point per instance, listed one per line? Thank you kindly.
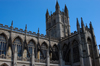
(82, 24)
(77, 22)
(47, 11)
(65, 6)
(57, 4)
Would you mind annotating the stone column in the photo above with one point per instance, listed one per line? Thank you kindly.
(48, 58)
(25, 55)
(71, 55)
(9, 53)
(95, 50)
(33, 57)
(60, 57)
(38, 57)
(89, 62)
(80, 52)
(81, 56)
(87, 58)
(15, 56)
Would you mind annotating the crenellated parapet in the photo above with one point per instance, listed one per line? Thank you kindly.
(6, 27)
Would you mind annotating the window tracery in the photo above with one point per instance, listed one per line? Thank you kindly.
(43, 52)
(17, 42)
(75, 52)
(90, 47)
(3, 43)
(30, 46)
(55, 55)
(66, 53)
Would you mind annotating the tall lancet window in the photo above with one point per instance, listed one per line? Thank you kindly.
(76, 57)
(30, 46)
(43, 50)
(3, 44)
(17, 42)
(55, 54)
(64, 51)
(90, 47)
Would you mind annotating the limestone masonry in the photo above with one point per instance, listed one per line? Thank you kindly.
(59, 47)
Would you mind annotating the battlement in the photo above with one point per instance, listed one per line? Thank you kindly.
(75, 32)
(23, 31)
(54, 14)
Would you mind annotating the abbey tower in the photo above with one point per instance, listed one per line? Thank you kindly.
(57, 24)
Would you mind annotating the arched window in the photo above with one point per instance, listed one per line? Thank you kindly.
(17, 42)
(90, 50)
(76, 57)
(64, 51)
(4, 64)
(90, 47)
(30, 46)
(55, 55)
(3, 44)
(43, 52)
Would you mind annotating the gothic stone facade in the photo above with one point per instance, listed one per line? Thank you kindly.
(58, 47)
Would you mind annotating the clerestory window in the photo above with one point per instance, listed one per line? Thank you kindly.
(3, 44)
(55, 54)
(43, 52)
(30, 46)
(17, 42)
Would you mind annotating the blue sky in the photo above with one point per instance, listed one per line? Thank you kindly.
(32, 13)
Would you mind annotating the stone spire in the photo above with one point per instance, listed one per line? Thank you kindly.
(47, 14)
(57, 8)
(25, 43)
(91, 27)
(77, 22)
(82, 25)
(12, 23)
(38, 33)
(86, 25)
(38, 30)
(26, 27)
(38, 36)
(78, 25)
(10, 39)
(38, 45)
(66, 11)
(57, 5)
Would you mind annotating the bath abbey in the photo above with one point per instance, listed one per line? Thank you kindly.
(59, 47)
